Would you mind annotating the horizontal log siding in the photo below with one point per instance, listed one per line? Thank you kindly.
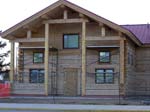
(71, 58)
(130, 68)
(101, 89)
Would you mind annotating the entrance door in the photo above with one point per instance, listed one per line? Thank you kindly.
(70, 82)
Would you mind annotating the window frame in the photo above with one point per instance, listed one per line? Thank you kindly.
(104, 74)
(100, 56)
(38, 76)
(71, 47)
(42, 57)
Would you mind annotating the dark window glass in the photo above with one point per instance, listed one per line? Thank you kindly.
(109, 76)
(38, 57)
(71, 41)
(104, 57)
(100, 76)
(37, 76)
(104, 76)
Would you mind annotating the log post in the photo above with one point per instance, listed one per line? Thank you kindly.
(103, 32)
(46, 64)
(83, 59)
(122, 66)
(11, 75)
(65, 14)
(29, 34)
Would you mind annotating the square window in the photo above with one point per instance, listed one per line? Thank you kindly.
(104, 76)
(104, 57)
(38, 57)
(71, 41)
(37, 76)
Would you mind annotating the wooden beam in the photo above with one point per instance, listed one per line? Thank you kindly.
(29, 40)
(101, 24)
(11, 37)
(29, 34)
(65, 14)
(46, 58)
(122, 66)
(83, 79)
(63, 6)
(102, 38)
(81, 15)
(45, 17)
(28, 27)
(120, 34)
(103, 32)
(12, 65)
(59, 21)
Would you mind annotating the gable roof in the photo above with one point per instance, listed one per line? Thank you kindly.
(141, 31)
(76, 8)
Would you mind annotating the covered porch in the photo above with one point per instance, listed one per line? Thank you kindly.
(19, 78)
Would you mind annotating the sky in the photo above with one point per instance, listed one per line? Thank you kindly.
(118, 11)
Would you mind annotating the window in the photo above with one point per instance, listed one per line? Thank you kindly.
(38, 57)
(70, 41)
(37, 76)
(104, 57)
(104, 76)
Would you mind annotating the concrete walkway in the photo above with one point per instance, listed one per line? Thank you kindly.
(70, 107)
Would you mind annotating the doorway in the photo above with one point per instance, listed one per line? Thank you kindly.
(70, 81)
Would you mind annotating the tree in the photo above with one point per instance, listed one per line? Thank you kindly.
(3, 56)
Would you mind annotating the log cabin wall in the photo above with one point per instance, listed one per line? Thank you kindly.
(130, 61)
(67, 58)
(137, 70)
(143, 59)
(71, 58)
(142, 84)
(93, 63)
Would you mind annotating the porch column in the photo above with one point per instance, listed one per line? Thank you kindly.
(103, 32)
(83, 77)
(46, 57)
(122, 66)
(11, 75)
